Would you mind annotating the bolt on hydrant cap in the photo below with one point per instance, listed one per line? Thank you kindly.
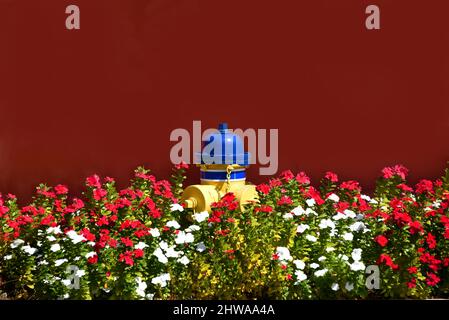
(223, 126)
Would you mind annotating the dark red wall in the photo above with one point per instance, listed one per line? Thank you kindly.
(105, 99)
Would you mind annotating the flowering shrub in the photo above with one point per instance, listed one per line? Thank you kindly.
(298, 241)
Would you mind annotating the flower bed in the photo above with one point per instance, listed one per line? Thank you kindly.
(298, 242)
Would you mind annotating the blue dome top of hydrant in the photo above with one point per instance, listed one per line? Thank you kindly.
(224, 147)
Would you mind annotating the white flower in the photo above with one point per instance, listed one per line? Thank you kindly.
(326, 223)
(155, 232)
(77, 258)
(357, 226)
(163, 245)
(172, 253)
(322, 258)
(349, 286)
(42, 263)
(176, 207)
(193, 228)
(91, 243)
(373, 201)
(184, 260)
(183, 237)
(51, 238)
(302, 227)
(8, 257)
(330, 249)
(200, 217)
(91, 254)
(335, 287)
(173, 224)
(141, 245)
(66, 282)
(39, 244)
(200, 247)
(310, 202)
(310, 212)
(299, 264)
(161, 280)
(80, 273)
(75, 237)
(283, 254)
(357, 254)
(320, 273)
(60, 261)
(287, 216)
(338, 216)
(343, 257)
(141, 286)
(357, 266)
(160, 256)
(311, 238)
(365, 197)
(17, 243)
(29, 250)
(149, 296)
(301, 276)
(333, 197)
(349, 213)
(348, 236)
(298, 211)
(314, 265)
(55, 247)
(54, 230)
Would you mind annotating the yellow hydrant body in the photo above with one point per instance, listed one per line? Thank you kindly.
(225, 173)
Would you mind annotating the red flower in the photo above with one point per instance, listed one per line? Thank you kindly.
(88, 235)
(61, 189)
(412, 270)
(431, 242)
(415, 226)
(432, 279)
(138, 253)
(275, 183)
(401, 171)
(264, 208)
(404, 187)
(287, 175)
(350, 185)
(302, 178)
(288, 276)
(332, 177)
(275, 256)
(381, 240)
(113, 243)
(424, 186)
(127, 242)
(127, 257)
(285, 200)
(387, 172)
(263, 188)
(93, 260)
(412, 283)
(99, 193)
(93, 181)
(388, 261)
(182, 165)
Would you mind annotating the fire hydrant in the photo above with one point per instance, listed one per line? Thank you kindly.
(226, 173)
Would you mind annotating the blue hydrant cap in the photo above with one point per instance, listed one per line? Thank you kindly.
(231, 145)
